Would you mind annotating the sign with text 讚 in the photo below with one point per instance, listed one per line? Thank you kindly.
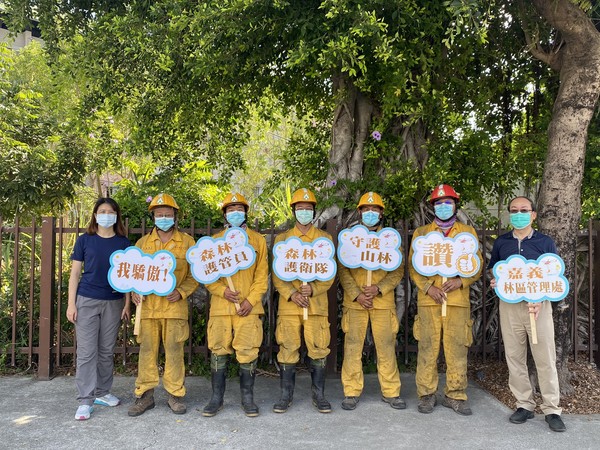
(213, 258)
(370, 250)
(519, 279)
(435, 254)
(133, 270)
(304, 261)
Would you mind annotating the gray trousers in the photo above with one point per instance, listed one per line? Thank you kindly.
(96, 326)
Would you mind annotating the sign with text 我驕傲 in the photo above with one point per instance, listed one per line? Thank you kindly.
(213, 258)
(370, 250)
(519, 279)
(133, 270)
(436, 254)
(304, 261)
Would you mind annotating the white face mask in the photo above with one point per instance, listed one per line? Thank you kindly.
(304, 216)
(106, 220)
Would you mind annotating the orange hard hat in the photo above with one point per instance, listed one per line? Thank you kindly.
(370, 199)
(234, 198)
(443, 190)
(163, 199)
(303, 195)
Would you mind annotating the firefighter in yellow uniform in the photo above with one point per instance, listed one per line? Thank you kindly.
(455, 330)
(231, 329)
(164, 318)
(376, 304)
(293, 297)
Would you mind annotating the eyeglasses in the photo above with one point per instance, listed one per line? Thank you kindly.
(163, 216)
(523, 211)
(443, 202)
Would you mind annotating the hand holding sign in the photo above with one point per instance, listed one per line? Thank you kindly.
(435, 254)
(213, 258)
(519, 279)
(133, 270)
(304, 261)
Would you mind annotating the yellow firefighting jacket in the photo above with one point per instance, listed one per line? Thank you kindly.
(157, 307)
(318, 301)
(353, 280)
(459, 297)
(251, 283)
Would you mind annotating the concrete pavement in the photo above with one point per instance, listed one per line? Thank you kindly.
(40, 415)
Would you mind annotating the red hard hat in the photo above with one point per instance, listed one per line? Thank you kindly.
(443, 190)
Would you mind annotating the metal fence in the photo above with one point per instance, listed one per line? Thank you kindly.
(34, 282)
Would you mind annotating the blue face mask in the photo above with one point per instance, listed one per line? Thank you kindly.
(235, 218)
(443, 211)
(106, 220)
(164, 223)
(304, 216)
(520, 220)
(370, 218)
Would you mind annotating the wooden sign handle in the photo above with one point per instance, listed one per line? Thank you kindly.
(231, 288)
(304, 310)
(138, 317)
(444, 279)
(369, 277)
(534, 339)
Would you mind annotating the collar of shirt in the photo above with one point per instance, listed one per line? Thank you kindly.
(309, 234)
(526, 237)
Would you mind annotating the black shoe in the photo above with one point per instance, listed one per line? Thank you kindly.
(555, 422)
(521, 415)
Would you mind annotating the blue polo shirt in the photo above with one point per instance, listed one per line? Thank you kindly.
(94, 251)
(531, 247)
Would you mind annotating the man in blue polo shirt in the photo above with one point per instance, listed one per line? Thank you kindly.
(515, 324)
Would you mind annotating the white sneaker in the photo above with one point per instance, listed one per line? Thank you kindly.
(107, 400)
(83, 412)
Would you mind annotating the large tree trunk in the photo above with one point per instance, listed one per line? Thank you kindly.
(350, 130)
(578, 62)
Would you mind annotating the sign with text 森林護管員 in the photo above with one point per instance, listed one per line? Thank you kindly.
(519, 279)
(304, 261)
(133, 270)
(435, 254)
(213, 258)
(370, 250)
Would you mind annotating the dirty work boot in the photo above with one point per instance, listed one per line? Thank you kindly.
(427, 403)
(459, 406)
(176, 404)
(317, 373)
(349, 403)
(394, 402)
(287, 382)
(247, 376)
(218, 390)
(142, 404)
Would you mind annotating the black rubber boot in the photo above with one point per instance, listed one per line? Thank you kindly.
(287, 382)
(218, 390)
(247, 377)
(317, 373)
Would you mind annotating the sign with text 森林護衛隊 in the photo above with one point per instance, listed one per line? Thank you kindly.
(304, 261)
(370, 250)
(133, 270)
(435, 254)
(213, 258)
(519, 279)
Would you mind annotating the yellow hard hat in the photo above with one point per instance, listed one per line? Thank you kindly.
(370, 199)
(303, 195)
(163, 199)
(234, 198)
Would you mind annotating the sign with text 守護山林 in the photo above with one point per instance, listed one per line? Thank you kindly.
(213, 258)
(519, 279)
(435, 254)
(133, 270)
(370, 250)
(304, 261)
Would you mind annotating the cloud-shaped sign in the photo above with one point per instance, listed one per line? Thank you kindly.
(133, 270)
(435, 254)
(213, 258)
(519, 279)
(370, 250)
(304, 261)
